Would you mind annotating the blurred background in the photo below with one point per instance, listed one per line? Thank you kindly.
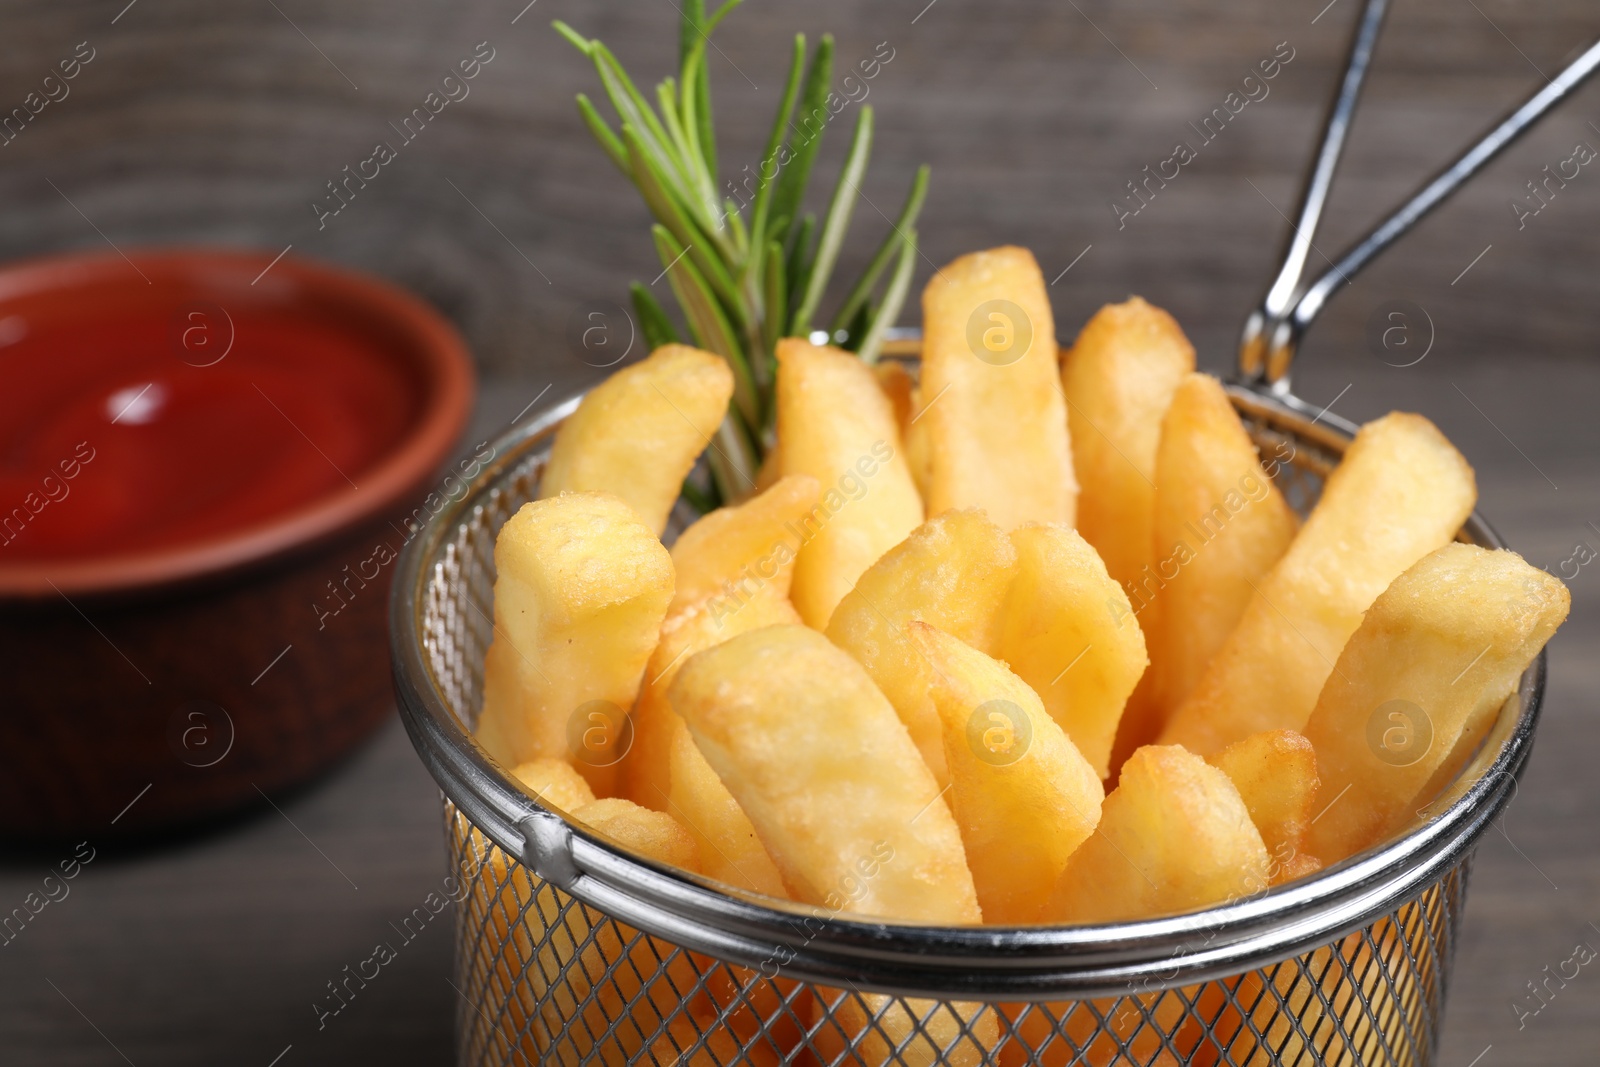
(205, 124)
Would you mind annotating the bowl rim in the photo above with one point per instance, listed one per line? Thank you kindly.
(445, 398)
(1038, 962)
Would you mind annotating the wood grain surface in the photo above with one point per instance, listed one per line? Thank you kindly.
(222, 123)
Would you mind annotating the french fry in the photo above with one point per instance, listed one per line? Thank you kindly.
(1174, 836)
(1119, 378)
(638, 433)
(581, 589)
(836, 425)
(1094, 1033)
(1401, 492)
(1022, 794)
(771, 470)
(845, 806)
(1440, 651)
(728, 846)
(1276, 774)
(743, 550)
(564, 1007)
(829, 777)
(991, 392)
(653, 834)
(874, 1030)
(635, 992)
(1068, 631)
(742, 1000)
(646, 770)
(555, 782)
(1220, 525)
(900, 387)
(732, 569)
(952, 572)
(905, 396)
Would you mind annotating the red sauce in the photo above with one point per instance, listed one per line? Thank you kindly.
(114, 441)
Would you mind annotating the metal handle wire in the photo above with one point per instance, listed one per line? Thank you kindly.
(1273, 332)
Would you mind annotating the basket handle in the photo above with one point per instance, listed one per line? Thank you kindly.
(1273, 332)
(1253, 351)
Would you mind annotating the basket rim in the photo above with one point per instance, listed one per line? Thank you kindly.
(1017, 962)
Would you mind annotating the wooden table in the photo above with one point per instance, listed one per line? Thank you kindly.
(199, 123)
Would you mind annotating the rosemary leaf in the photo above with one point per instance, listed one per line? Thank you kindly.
(603, 133)
(775, 294)
(892, 241)
(741, 240)
(634, 111)
(578, 40)
(831, 236)
(703, 502)
(653, 321)
(853, 331)
(722, 12)
(799, 257)
(894, 298)
(766, 183)
(686, 152)
(694, 13)
(647, 176)
(734, 460)
(698, 88)
(707, 321)
(813, 119)
(689, 124)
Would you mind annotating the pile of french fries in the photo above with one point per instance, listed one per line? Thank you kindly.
(1030, 636)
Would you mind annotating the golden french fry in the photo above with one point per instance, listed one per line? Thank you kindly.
(1276, 774)
(733, 1019)
(1220, 526)
(1119, 378)
(900, 387)
(555, 782)
(1174, 836)
(771, 470)
(1022, 794)
(635, 991)
(653, 834)
(1068, 630)
(829, 777)
(730, 851)
(956, 1033)
(563, 1007)
(732, 569)
(1440, 650)
(836, 425)
(905, 396)
(638, 433)
(1094, 1033)
(991, 392)
(581, 588)
(919, 449)
(1401, 492)
(646, 770)
(744, 550)
(953, 572)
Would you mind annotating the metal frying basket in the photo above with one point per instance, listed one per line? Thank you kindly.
(571, 950)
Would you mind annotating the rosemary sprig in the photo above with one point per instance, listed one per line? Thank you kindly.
(746, 271)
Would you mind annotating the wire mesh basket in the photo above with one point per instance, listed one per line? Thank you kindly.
(571, 950)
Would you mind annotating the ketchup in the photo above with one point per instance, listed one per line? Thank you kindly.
(163, 424)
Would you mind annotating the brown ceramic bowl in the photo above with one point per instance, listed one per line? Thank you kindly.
(154, 680)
